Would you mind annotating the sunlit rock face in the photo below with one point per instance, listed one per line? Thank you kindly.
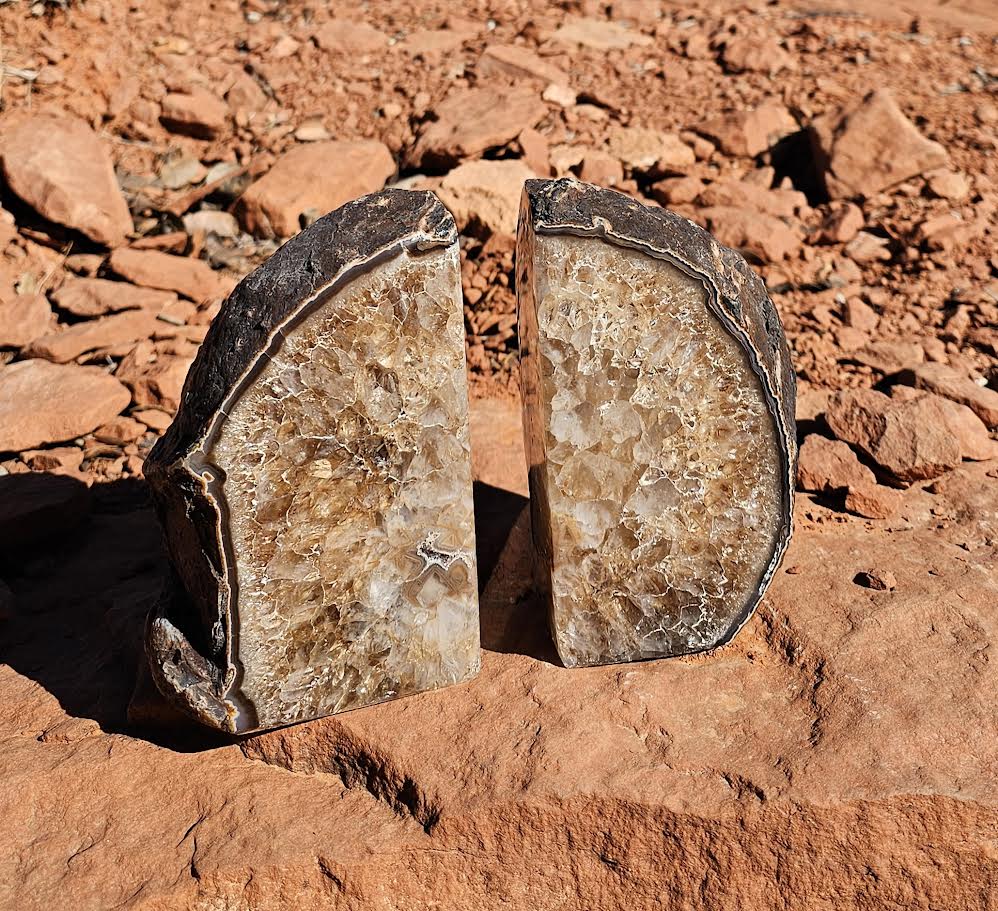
(348, 484)
(655, 466)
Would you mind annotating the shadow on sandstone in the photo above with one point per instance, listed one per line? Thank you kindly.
(513, 617)
(85, 565)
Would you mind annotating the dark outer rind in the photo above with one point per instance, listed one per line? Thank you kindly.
(567, 206)
(193, 632)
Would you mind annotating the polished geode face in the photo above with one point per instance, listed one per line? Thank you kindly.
(654, 460)
(348, 491)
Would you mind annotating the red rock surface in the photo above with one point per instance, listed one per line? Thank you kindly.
(628, 781)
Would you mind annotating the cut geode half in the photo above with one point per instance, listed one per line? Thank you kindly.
(658, 401)
(315, 487)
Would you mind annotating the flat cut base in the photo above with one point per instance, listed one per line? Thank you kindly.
(660, 479)
(347, 476)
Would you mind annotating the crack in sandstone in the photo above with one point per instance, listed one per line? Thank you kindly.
(338, 751)
(328, 873)
(743, 786)
(191, 833)
(821, 690)
(801, 657)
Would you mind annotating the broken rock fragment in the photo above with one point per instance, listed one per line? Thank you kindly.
(841, 225)
(43, 403)
(484, 195)
(72, 341)
(969, 430)
(598, 35)
(193, 278)
(909, 438)
(829, 465)
(741, 194)
(881, 580)
(871, 146)
(315, 487)
(469, 121)
(756, 54)
(197, 113)
(639, 148)
(60, 168)
(90, 297)
(954, 385)
(311, 180)
(889, 355)
(349, 37)
(755, 234)
(658, 413)
(23, 318)
(155, 377)
(750, 132)
(515, 63)
(873, 501)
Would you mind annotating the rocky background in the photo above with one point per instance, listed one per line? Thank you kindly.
(841, 753)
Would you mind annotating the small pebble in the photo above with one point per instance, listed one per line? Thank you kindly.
(878, 580)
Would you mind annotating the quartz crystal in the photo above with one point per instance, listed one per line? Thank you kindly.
(658, 413)
(316, 485)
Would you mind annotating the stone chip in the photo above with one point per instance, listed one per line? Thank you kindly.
(828, 465)
(952, 384)
(909, 438)
(470, 121)
(316, 177)
(484, 196)
(749, 133)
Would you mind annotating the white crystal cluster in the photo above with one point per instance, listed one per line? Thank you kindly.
(660, 464)
(349, 460)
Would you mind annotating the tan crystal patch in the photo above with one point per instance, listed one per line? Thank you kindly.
(347, 471)
(654, 455)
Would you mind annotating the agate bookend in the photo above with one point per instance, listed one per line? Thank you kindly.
(316, 488)
(659, 419)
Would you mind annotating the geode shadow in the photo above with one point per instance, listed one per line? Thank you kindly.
(513, 619)
(82, 587)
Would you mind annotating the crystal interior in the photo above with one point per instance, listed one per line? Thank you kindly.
(654, 458)
(347, 480)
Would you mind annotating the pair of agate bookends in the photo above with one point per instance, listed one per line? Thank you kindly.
(316, 488)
